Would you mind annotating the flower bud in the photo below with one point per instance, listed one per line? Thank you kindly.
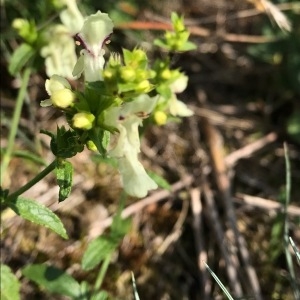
(62, 98)
(91, 146)
(139, 55)
(144, 86)
(83, 120)
(108, 74)
(19, 23)
(128, 74)
(166, 74)
(160, 117)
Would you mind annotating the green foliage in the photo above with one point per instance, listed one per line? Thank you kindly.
(160, 181)
(135, 292)
(284, 56)
(64, 177)
(10, 286)
(37, 213)
(29, 156)
(100, 138)
(97, 251)
(177, 40)
(54, 280)
(296, 250)
(219, 282)
(20, 58)
(104, 246)
(293, 125)
(66, 143)
(124, 81)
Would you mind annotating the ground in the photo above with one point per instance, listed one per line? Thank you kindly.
(225, 164)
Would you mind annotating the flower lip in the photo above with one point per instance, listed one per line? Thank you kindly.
(95, 32)
(81, 42)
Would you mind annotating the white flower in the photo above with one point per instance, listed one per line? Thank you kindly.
(59, 90)
(127, 119)
(179, 85)
(95, 32)
(177, 107)
(59, 53)
(71, 17)
(135, 180)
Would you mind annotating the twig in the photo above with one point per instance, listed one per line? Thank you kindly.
(215, 145)
(177, 229)
(266, 204)
(199, 241)
(156, 197)
(199, 31)
(250, 149)
(231, 268)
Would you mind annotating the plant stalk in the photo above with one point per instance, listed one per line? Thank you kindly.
(102, 273)
(15, 122)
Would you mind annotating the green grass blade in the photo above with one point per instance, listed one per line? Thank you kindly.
(221, 285)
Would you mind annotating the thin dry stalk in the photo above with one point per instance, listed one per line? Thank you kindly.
(197, 211)
(231, 267)
(266, 204)
(215, 145)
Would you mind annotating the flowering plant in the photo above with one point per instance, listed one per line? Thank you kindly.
(118, 95)
(119, 92)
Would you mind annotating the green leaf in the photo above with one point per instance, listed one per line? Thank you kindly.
(64, 177)
(38, 213)
(221, 285)
(30, 156)
(188, 46)
(135, 292)
(119, 227)
(100, 138)
(293, 125)
(102, 295)
(160, 181)
(161, 43)
(97, 251)
(66, 144)
(52, 279)
(10, 286)
(85, 291)
(19, 58)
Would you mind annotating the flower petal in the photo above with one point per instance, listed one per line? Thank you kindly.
(95, 30)
(56, 83)
(135, 180)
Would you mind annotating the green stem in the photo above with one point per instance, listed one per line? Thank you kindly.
(15, 122)
(102, 273)
(288, 256)
(33, 181)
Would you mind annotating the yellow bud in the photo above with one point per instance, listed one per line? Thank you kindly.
(107, 74)
(91, 146)
(144, 86)
(127, 74)
(62, 98)
(166, 74)
(139, 55)
(160, 117)
(83, 120)
(19, 23)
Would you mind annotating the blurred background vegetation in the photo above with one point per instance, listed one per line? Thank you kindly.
(244, 83)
